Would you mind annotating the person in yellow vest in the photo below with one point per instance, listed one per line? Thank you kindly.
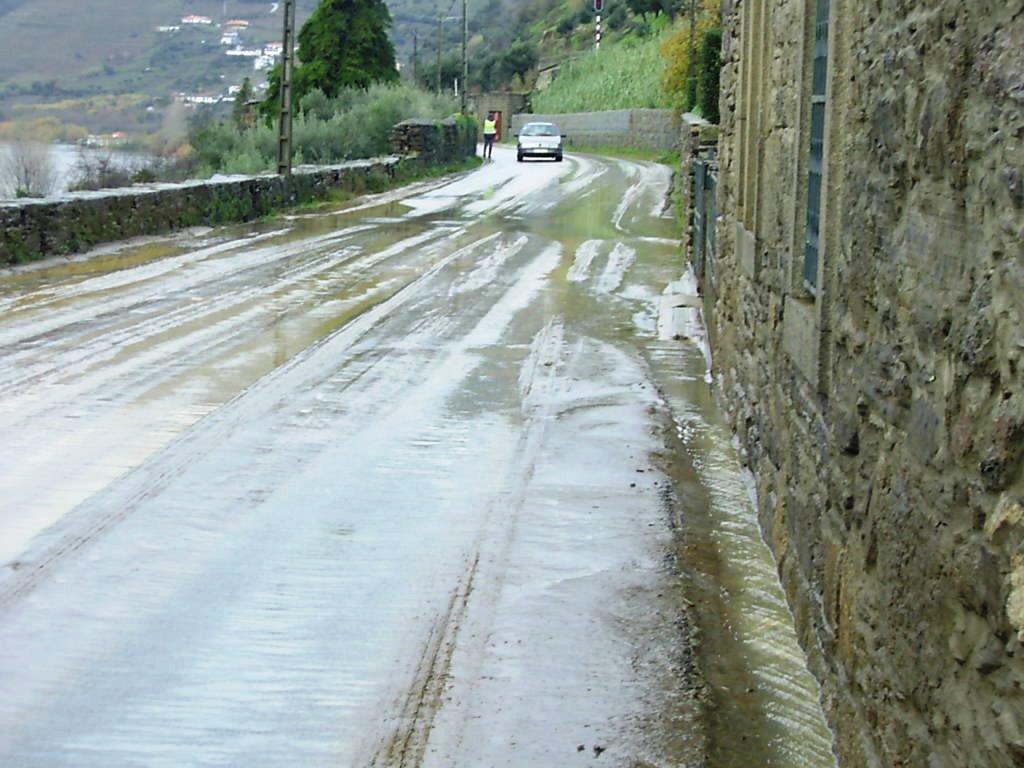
(490, 134)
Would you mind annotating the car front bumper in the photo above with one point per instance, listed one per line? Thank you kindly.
(539, 151)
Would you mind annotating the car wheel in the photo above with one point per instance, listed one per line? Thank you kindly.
(519, 158)
(558, 158)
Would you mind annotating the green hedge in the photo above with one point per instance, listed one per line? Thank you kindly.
(709, 67)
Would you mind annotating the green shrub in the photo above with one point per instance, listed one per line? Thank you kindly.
(618, 17)
(145, 176)
(680, 80)
(317, 103)
(354, 124)
(709, 65)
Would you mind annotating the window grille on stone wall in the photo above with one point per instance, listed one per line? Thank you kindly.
(816, 161)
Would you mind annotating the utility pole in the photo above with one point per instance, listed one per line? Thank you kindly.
(465, 60)
(690, 63)
(284, 139)
(415, 58)
(440, 35)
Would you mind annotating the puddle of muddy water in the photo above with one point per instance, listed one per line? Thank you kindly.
(765, 704)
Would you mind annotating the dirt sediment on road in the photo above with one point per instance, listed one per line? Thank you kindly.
(384, 486)
(762, 706)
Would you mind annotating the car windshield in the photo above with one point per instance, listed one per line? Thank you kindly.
(539, 129)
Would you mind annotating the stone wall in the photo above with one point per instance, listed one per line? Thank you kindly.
(883, 414)
(652, 129)
(435, 142)
(34, 229)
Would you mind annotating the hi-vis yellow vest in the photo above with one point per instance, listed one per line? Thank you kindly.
(490, 126)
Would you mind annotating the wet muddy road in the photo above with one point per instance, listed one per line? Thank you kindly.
(376, 487)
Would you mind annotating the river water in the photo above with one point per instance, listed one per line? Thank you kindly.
(66, 160)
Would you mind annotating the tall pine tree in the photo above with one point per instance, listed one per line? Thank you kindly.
(344, 44)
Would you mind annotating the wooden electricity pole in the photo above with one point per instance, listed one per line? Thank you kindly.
(440, 35)
(465, 60)
(690, 63)
(415, 58)
(284, 139)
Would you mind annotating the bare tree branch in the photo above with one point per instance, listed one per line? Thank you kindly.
(27, 169)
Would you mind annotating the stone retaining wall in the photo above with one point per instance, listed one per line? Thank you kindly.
(34, 229)
(652, 129)
(436, 142)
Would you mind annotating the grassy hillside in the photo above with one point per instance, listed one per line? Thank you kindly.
(644, 61)
(628, 72)
(625, 74)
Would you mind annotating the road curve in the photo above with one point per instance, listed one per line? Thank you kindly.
(370, 487)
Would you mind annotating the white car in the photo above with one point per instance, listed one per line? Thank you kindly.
(539, 140)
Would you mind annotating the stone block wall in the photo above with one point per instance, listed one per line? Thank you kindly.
(34, 229)
(652, 129)
(435, 141)
(883, 415)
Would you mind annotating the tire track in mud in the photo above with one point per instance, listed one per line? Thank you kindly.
(407, 743)
(584, 258)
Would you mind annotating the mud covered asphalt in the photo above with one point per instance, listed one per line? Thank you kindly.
(393, 486)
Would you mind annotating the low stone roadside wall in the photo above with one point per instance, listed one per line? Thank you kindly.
(436, 142)
(653, 129)
(34, 229)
